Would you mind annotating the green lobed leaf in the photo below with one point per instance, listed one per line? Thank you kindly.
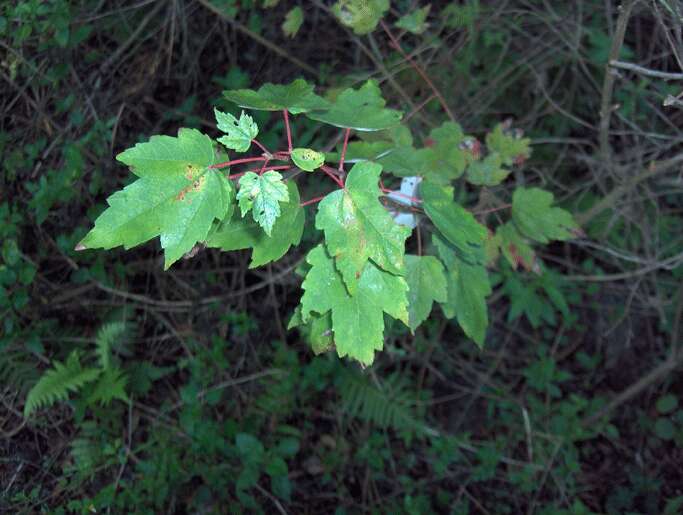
(239, 132)
(361, 151)
(307, 159)
(176, 197)
(293, 21)
(510, 146)
(416, 21)
(297, 97)
(361, 109)
(488, 171)
(262, 195)
(358, 228)
(360, 15)
(406, 161)
(457, 224)
(357, 320)
(426, 280)
(446, 161)
(468, 287)
(534, 216)
(241, 233)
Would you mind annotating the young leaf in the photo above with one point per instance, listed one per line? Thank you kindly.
(239, 132)
(241, 233)
(357, 320)
(317, 332)
(468, 287)
(176, 197)
(306, 159)
(360, 15)
(293, 21)
(416, 21)
(510, 147)
(488, 171)
(262, 194)
(456, 223)
(358, 228)
(361, 109)
(427, 283)
(515, 248)
(535, 217)
(297, 97)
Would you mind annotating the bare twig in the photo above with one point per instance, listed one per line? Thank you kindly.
(646, 71)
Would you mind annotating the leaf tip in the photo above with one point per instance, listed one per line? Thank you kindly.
(80, 247)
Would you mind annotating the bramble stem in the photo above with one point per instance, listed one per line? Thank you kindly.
(238, 161)
(285, 114)
(263, 167)
(399, 194)
(343, 153)
(312, 201)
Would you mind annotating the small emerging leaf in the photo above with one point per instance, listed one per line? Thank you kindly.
(416, 21)
(262, 195)
(487, 172)
(360, 15)
(511, 146)
(293, 21)
(306, 159)
(239, 132)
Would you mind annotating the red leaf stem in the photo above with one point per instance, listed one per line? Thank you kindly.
(312, 201)
(238, 161)
(285, 114)
(343, 153)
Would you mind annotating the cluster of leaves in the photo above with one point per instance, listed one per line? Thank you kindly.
(360, 272)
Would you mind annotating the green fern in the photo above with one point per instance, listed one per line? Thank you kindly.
(387, 406)
(110, 385)
(107, 337)
(56, 383)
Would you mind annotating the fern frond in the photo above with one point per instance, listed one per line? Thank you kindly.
(56, 383)
(105, 340)
(17, 370)
(110, 385)
(387, 407)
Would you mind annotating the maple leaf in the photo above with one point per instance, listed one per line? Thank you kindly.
(361, 109)
(262, 195)
(357, 320)
(361, 15)
(416, 21)
(534, 216)
(358, 228)
(426, 280)
(468, 287)
(177, 197)
(241, 233)
(487, 172)
(297, 97)
(239, 132)
(510, 145)
(457, 224)
(515, 248)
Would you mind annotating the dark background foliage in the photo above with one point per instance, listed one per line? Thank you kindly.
(572, 406)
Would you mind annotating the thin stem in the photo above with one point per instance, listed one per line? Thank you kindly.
(312, 201)
(399, 194)
(263, 167)
(343, 153)
(492, 210)
(285, 114)
(419, 70)
(238, 161)
(259, 145)
(330, 173)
